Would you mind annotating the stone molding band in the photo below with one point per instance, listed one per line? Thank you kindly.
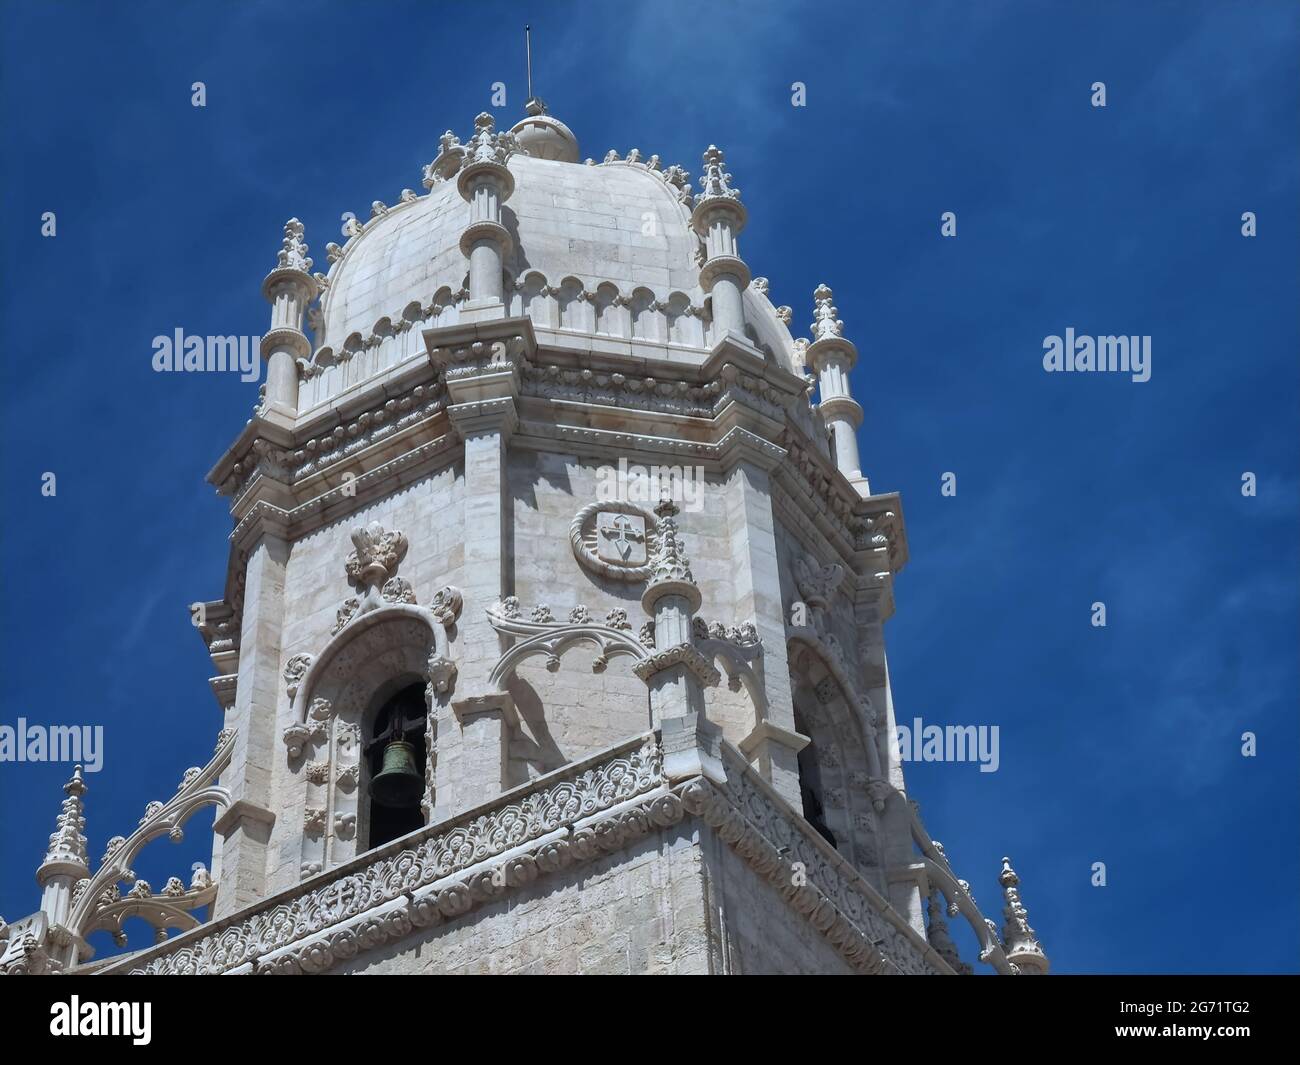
(578, 814)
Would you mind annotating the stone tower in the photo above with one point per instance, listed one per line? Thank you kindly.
(544, 501)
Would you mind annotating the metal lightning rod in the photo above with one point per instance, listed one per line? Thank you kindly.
(528, 49)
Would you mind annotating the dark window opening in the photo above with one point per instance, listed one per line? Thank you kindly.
(395, 758)
(810, 787)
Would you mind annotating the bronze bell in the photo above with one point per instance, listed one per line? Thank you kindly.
(398, 782)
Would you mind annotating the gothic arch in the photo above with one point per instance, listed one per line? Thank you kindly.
(374, 655)
(840, 749)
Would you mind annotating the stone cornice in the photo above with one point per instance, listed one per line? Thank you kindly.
(343, 499)
(329, 433)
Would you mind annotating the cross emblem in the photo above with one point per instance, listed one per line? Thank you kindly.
(622, 538)
(624, 534)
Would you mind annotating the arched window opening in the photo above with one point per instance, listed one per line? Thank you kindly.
(395, 758)
(810, 785)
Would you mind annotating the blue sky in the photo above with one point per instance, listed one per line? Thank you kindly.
(1119, 745)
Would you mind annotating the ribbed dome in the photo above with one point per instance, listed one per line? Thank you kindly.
(603, 249)
(617, 222)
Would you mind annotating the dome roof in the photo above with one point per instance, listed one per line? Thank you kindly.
(593, 248)
(620, 221)
(544, 137)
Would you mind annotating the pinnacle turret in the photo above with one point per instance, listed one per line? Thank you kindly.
(1019, 940)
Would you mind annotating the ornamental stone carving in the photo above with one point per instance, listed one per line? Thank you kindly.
(294, 670)
(614, 538)
(376, 553)
(621, 538)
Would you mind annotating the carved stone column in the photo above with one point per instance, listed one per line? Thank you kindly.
(717, 219)
(832, 357)
(288, 288)
(244, 827)
(485, 182)
(677, 672)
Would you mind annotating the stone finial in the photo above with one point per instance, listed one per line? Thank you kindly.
(671, 563)
(487, 145)
(293, 252)
(1019, 940)
(715, 182)
(68, 843)
(670, 569)
(825, 323)
(377, 553)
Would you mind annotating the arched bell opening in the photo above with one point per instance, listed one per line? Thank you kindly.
(394, 758)
(812, 789)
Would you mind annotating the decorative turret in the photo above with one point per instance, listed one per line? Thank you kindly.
(66, 860)
(677, 672)
(1018, 939)
(832, 357)
(717, 219)
(289, 288)
(485, 182)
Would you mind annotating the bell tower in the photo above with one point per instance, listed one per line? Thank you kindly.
(555, 584)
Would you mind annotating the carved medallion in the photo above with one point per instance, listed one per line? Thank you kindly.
(614, 538)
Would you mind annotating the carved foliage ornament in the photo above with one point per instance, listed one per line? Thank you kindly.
(376, 553)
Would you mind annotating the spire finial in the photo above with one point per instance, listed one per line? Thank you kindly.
(1019, 940)
(293, 250)
(825, 323)
(715, 182)
(68, 843)
(670, 569)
